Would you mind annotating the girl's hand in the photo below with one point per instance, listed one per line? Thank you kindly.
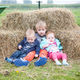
(19, 47)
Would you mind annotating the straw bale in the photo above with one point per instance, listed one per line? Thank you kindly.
(70, 42)
(61, 21)
(56, 18)
(9, 41)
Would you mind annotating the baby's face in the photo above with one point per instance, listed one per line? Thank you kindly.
(50, 37)
(30, 39)
(41, 31)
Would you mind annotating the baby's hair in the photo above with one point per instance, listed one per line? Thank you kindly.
(30, 33)
(49, 32)
(41, 24)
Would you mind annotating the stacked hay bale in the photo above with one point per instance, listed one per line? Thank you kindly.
(9, 41)
(61, 21)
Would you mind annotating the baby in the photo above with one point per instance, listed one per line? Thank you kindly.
(51, 46)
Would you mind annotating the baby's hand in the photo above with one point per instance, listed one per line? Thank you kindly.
(36, 55)
(45, 46)
(19, 47)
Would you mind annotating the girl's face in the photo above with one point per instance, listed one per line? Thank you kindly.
(50, 37)
(41, 31)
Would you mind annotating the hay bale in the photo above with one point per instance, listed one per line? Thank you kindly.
(56, 18)
(70, 42)
(61, 21)
(9, 41)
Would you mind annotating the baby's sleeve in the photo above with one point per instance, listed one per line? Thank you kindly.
(59, 44)
(43, 43)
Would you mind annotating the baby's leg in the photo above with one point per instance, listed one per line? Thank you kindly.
(64, 59)
(56, 57)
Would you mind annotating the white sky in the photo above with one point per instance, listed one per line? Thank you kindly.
(55, 1)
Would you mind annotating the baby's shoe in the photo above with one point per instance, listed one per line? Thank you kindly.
(9, 60)
(65, 63)
(58, 63)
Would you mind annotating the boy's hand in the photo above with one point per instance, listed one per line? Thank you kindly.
(36, 55)
(19, 47)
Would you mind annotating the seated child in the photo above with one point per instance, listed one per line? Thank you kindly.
(41, 29)
(28, 45)
(51, 46)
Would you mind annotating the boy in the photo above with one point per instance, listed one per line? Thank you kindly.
(27, 46)
(54, 53)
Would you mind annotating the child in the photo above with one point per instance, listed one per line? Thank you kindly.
(27, 46)
(41, 29)
(51, 46)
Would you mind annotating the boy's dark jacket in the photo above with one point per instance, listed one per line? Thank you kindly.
(28, 47)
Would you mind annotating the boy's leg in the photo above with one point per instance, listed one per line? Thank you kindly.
(25, 61)
(42, 58)
(43, 53)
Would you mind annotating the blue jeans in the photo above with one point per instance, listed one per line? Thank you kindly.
(18, 54)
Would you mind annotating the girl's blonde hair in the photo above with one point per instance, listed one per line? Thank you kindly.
(41, 24)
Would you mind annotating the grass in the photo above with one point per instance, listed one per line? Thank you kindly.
(50, 71)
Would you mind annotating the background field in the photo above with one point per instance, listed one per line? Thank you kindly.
(49, 71)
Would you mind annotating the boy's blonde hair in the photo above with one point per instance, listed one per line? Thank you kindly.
(49, 32)
(30, 33)
(41, 24)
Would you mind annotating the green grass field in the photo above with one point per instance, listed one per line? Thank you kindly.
(47, 72)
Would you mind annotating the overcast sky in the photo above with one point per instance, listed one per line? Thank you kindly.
(55, 1)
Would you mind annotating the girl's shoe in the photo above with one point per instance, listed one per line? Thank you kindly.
(65, 63)
(41, 61)
(21, 62)
(58, 63)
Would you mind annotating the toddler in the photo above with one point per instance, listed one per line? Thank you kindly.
(50, 44)
(28, 46)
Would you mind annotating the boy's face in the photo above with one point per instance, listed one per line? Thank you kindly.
(50, 37)
(41, 31)
(30, 39)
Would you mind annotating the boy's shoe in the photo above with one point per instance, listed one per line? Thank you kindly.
(21, 62)
(9, 60)
(41, 61)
